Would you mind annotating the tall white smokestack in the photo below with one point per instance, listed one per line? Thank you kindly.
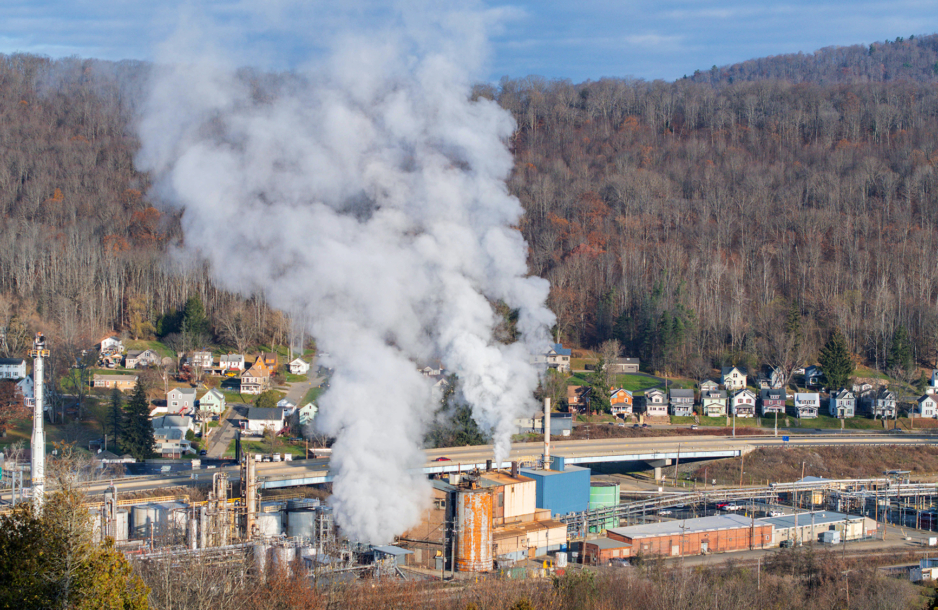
(38, 446)
(547, 433)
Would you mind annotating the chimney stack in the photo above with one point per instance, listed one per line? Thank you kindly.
(514, 469)
(547, 434)
(488, 465)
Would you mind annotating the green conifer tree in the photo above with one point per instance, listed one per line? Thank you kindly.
(836, 360)
(137, 435)
(115, 417)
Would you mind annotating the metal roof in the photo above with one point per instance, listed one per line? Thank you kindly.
(256, 413)
(818, 518)
(392, 550)
(674, 528)
(607, 543)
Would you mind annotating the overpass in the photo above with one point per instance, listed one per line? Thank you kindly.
(651, 450)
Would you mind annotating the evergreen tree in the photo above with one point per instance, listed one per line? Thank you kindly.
(793, 325)
(900, 352)
(138, 437)
(599, 391)
(115, 417)
(194, 317)
(836, 360)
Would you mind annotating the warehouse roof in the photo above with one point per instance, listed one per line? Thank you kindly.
(818, 518)
(607, 543)
(685, 526)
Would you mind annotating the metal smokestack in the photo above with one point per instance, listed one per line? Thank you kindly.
(38, 446)
(547, 433)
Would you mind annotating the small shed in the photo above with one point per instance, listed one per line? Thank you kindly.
(394, 554)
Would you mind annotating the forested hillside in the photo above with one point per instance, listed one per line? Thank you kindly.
(697, 222)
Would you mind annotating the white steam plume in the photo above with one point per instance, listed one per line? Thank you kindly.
(368, 192)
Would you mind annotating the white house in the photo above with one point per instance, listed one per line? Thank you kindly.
(842, 404)
(263, 419)
(12, 368)
(927, 406)
(807, 405)
(656, 403)
(733, 378)
(231, 362)
(307, 413)
(180, 400)
(202, 360)
(743, 403)
(299, 366)
(288, 406)
(111, 345)
(813, 375)
(213, 401)
(557, 357)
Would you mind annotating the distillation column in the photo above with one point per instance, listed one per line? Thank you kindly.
(38, 446)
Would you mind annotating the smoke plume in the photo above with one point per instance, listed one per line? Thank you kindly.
(367, 191)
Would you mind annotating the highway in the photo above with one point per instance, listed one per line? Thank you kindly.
(309, 472)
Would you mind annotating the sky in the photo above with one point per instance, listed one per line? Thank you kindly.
(586, 39)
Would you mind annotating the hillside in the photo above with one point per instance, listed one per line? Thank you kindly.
(913, 59)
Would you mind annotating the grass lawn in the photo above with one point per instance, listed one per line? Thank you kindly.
(291, 378)
(156, 346)
(261, 447)
(311, 396)
(70, 432)
(826, 422)
(865, 371)
(636, 383)
(579, 364)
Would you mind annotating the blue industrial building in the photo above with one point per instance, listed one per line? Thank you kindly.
(564, 490)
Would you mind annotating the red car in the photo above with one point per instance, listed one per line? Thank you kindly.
(442, 459)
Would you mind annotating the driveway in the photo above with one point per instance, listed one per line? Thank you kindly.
(222, 436)
(296, 391)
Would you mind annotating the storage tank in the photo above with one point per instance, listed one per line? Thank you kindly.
(269, 524)
(122, 525)
(142, 515)
(302, 503)
(474, 510)
(604, 495)
(284, 555)
(301, 524)
(260, 556)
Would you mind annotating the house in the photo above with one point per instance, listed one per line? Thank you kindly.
(428, 370)
(769, 378)
(927, 406)
(733, 378)
(202, 360)
(271, 361)
(213, 401)
(807, 405)
(307, 413)
(300, 367)
(842, 404)
(121, 382)
(621, 402)
(169, 434)
(682, 403)
(231, 362)
(772, 400)
(558, 357)
(813, 376)
(713, 403)
(138, 358)
(656, 403)
(881, 403)
(259, 420)
(110, 345)
(255, 380)
(180, 400)
(932, 387)
(709, 385)
(623, 365)
(743, 403)
(578, 398)
(862, 389)
(288, 406)
(26, 388)
(12, 368)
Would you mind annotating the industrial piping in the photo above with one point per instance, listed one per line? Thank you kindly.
(547, 434)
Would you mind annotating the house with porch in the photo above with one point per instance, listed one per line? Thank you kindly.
(213, 401)
(578, 398)
(298, 366)
(709, 385)
(138, 358)
(682, 403)
(260, 419)
(203, 360)
(927, 406)
(110, 345)
(743, 403)
(231, 362)
(656, 403)
(713, 402)
(769, 378)
(813, 376)
(621, 402)
(733, 378)
(558, 357)
(256, 380)
(842, 404)
(880, 403)
(772, 401)
(807, 405)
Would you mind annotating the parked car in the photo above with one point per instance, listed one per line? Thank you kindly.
(442, 459)
(695, 427)
(776, 513)
(786, 544)
(664, 511)
(203, 452)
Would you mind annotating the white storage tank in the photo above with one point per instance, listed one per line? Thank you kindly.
(260, 556)
(122, 526)
(285, 554)
(269, 524)
(561, 560)
(142, 516)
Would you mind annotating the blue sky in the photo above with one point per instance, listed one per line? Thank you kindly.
(585, 39)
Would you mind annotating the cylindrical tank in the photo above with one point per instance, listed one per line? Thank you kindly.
(269, 524)
(142, 516)
(474, 510)
(604, 495)
(284, 555)
(301, 524)
(260, 556)
(122, 525)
